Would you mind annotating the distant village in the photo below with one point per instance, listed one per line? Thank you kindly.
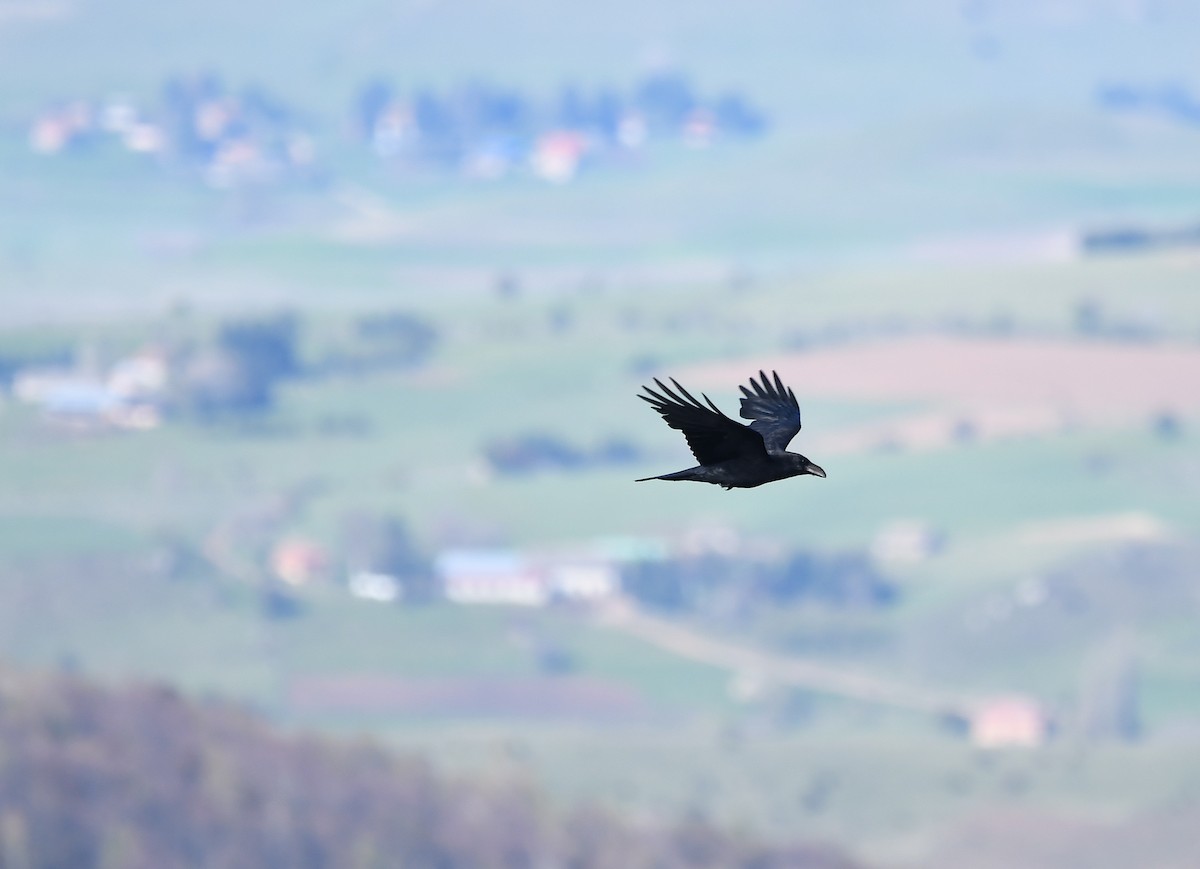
(484, 132)
(231, 375)
(667, 574)
(227, 138)
(129, 394)
(237, 137)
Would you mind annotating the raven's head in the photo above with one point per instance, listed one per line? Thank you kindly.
(801, 465)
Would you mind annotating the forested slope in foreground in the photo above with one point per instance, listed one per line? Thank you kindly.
(136, 776)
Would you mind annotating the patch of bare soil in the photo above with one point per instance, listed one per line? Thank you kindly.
(980, 388)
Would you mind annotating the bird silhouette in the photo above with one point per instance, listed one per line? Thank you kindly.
(733, 455)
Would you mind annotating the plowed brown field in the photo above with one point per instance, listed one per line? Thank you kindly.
(980, 387)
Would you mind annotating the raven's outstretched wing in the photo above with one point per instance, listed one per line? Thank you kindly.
(774, 409)
(712, 436)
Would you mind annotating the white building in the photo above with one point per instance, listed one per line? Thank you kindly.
(583, 579)
(142, 376)
(499, 576)
(492, 576)
(381, 587)
(906, 542)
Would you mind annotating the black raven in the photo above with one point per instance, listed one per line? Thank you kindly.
(732, 455)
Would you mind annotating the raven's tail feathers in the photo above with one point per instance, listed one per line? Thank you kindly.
(688, 474)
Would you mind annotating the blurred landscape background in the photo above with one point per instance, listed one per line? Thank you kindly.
(321, 327)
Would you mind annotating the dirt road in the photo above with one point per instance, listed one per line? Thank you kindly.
(781, 669)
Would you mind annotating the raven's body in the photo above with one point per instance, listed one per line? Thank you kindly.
(732, 455)
(742, 473)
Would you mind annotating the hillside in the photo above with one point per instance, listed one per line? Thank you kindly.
(134, 776)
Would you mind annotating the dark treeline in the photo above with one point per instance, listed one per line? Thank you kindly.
(542, 451)
(138, 778)
(1173, 99)
(697, 583)
(238, 370)
(12, 362)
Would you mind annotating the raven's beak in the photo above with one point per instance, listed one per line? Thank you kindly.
(816, 471)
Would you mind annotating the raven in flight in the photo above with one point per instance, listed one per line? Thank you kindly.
(732, 455)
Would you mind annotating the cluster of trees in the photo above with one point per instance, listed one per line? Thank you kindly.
(540, 451)
(12, 362)
(382, 543)
(668, 101)
(379, 341)
(138, 778)
(1135, 239)
(1175, 100)
(1109, 706)
(239, 371)
(695, 582)
(1092, 319)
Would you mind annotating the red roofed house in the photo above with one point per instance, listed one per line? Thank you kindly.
(1009, 722)
(297, 561)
